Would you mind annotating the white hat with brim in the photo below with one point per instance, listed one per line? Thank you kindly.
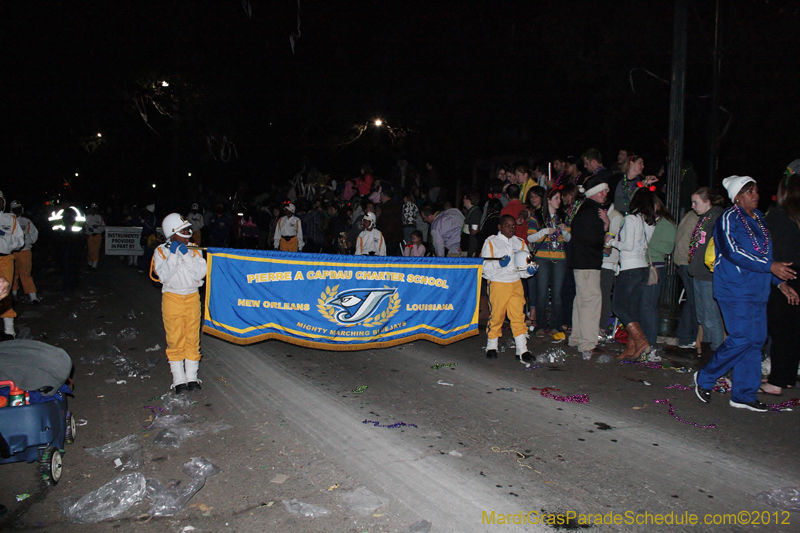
(290, 207)
(603, 186)
(734, 184)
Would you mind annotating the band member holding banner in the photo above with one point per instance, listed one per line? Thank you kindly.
(289, 231)
(370, 241)
(181, 272)
(503, 270)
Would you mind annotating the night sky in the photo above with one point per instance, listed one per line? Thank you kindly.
(456, 82)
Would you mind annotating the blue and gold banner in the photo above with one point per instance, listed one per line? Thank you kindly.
(340, 302)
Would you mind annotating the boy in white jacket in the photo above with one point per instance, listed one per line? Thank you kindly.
(181, 271)
(506, 295)
(370, 241)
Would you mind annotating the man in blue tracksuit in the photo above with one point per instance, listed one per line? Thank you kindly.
(743, 272)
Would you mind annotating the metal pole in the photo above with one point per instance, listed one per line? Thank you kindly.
(713, 128)
(669, 294)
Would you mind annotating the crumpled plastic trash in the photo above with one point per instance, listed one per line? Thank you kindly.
(786, 498)
(423, 526)
(170, 501)
(125, 453)
(155, 348)
(200, 467)
(605, 358)
(305, 509)
(553, 356)
(127, 334)
(108, 502)
(167, 421)
(96, 334)
(362, 500)
(173, 437)
(128, 367)
(172, 401)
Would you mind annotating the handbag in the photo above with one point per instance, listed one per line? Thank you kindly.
(652, 276)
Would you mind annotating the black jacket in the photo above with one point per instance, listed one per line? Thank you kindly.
(588, 237)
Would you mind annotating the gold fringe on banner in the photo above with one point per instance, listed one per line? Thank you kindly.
(336, 347)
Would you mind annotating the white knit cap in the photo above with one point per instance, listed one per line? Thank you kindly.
(734, 184)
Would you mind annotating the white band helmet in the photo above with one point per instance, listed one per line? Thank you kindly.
(175, 223)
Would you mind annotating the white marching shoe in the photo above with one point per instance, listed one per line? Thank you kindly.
(178, 377)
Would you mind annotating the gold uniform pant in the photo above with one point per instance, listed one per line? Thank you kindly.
(7, 271)
(506, 299)
(93, 243)
(196, 237)
(22, 271)
(181, 314)
(288, 246)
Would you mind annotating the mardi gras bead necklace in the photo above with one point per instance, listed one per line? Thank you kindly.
(573, 210)
(698, 233)
(628, 188)
(759, 248)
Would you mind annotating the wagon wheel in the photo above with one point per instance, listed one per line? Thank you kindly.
(71, 428)
(51, 466)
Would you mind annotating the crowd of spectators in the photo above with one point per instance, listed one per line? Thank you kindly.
(602, 237)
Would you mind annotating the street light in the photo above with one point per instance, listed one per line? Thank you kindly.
(378, 122)
(165, 83)
(154, 185)
(99, 134)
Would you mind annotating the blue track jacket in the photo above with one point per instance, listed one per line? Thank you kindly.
(741, 273)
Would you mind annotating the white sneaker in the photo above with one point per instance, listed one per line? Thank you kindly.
(587, 356)
(689, 346)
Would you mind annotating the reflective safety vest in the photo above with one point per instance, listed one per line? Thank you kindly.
(57, 222)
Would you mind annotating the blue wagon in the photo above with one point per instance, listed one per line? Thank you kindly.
(40, 429)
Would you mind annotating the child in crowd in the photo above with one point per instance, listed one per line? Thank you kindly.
(181, 272)
(415, 248)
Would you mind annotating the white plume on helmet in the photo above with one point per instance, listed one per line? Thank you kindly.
(175, 223)
(371, 217)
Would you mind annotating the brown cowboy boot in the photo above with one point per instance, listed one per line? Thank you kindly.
(642, 345)
(630, 346)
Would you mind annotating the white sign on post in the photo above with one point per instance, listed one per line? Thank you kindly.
(123, 240)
